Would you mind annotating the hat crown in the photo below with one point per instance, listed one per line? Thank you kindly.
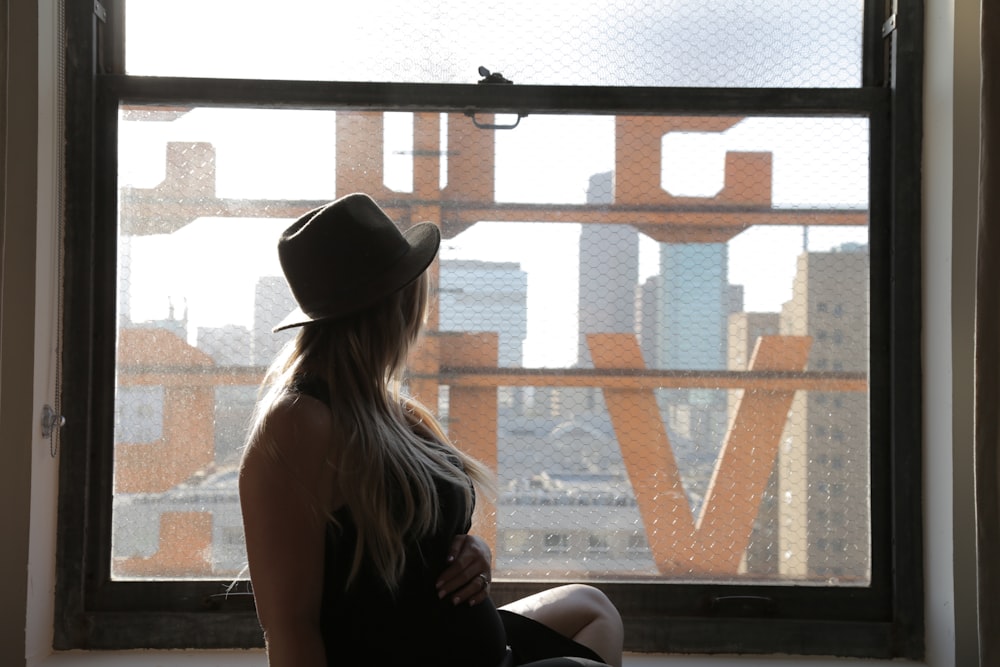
(348, 254)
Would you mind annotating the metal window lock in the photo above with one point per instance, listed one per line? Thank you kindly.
(51, 422)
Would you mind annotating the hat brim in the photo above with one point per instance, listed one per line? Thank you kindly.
(424, 239)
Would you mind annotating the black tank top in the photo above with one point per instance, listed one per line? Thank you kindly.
(367, 624)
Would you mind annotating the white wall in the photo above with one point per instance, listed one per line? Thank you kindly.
(16, 310)
(44, 483)
(950, 166)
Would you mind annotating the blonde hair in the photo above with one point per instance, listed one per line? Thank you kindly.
(390, 448)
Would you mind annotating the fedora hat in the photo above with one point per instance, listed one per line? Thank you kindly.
(348, 255)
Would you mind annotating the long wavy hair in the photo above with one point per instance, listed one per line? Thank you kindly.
(390, 449)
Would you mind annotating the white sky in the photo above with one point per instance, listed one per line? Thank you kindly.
(570, 42)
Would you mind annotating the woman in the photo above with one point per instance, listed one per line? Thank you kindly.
(356, 507)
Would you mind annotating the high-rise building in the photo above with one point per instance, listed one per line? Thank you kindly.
(272, 302)
(682, 325)
(696, 303)
(745, 329)
(608, 273)
(823, 462)
(229, 345)
(648, 317)
(486, 296)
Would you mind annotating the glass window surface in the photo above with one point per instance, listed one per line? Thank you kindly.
(559, 42)
(657, 336)
(672, 307)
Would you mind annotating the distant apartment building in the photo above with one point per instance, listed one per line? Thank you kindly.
(695, 299)
(272, 302)
(565, 497)
(823, 464)
(486, 296)
(608, 272)
(567, 506)
(745, 329)
(229, 345)
(682, 324)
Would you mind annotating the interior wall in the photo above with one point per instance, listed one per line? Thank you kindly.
(45, 468)
(949, 160)
(950, 168)
(965, 214)
(987, 426)
(18, 81)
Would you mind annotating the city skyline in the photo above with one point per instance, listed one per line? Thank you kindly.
(761, 258)
(546, 477)
(611, 414)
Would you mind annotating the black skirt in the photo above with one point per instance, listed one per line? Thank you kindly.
(531, 641)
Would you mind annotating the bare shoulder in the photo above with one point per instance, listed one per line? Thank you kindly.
(300, 417)
(297, 424)
(297, 441)
(286, 489)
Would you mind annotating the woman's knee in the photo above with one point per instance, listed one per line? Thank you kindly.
(579, 612)
(595, 602)
(596, 620)
(568, 608)
(604, 632)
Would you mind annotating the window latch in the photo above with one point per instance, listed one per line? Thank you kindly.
(471, 113)
(51, 422)
(491, 79)
(889, 26)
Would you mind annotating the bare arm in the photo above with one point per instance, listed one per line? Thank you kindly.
(285, 501)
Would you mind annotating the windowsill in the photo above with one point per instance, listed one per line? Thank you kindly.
(256, 659)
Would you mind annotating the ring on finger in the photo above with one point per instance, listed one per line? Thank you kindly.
(486, 581)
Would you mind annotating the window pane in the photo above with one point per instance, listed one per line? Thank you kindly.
(654, 328)
(564, 42)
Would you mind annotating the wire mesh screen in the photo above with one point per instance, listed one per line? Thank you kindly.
(654, 329)
(557, 42)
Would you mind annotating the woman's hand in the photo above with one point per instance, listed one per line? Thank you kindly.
(469, 572)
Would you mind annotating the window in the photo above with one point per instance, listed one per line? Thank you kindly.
(598, 545)
(139, 414)
(648, 237)
(556, 542)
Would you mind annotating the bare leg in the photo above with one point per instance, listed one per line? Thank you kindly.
(582, 613)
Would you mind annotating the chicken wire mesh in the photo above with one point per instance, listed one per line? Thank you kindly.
(654, 329)
(556, 42)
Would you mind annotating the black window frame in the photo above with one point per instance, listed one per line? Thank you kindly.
(885, 620)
